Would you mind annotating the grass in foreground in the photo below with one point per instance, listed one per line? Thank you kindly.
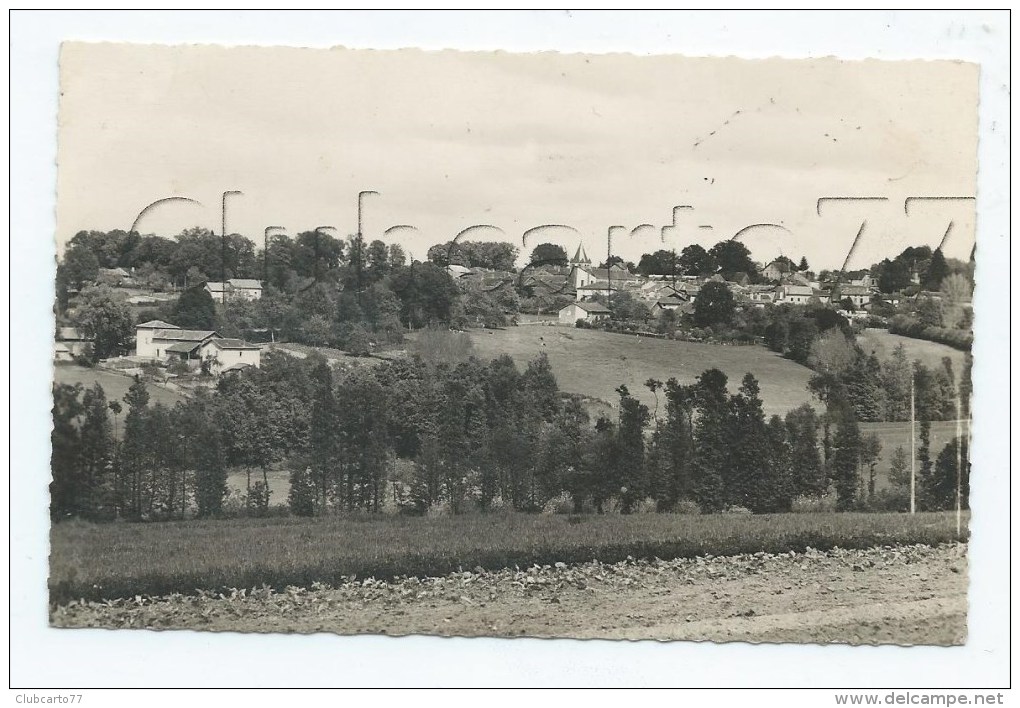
(94, 561)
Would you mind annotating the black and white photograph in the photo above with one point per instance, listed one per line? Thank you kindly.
(415, 342)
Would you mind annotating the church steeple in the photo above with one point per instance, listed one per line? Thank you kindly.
(580, 257)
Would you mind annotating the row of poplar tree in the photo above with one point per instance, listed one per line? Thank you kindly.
(410, 435)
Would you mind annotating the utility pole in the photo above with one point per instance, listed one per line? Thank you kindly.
(913, 443)
(609, 267)
(360, 237)
(223, 241)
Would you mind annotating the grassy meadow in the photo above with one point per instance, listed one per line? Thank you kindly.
(595, 363)
(882, 343)
(115, 385)
(105, 561)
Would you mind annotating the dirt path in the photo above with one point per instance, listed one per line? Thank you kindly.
(899, 595)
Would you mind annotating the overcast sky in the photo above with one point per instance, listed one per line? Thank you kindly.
(451, 140)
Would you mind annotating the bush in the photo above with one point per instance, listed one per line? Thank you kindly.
(178, 367)
(301, 497)
(258, 499)
(498, 505)
(891, 499)
(562, 503)
(612, 505)
(810, 504)
(355, 340)
(439, 510)
(737, 510)
(687, 507)
(234, 504)
(645, 506)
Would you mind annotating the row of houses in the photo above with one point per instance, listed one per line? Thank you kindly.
(165, 342)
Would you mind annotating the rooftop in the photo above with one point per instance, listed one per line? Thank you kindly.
(228, 343)
(156, 324)
(593, 308)
(184, 335)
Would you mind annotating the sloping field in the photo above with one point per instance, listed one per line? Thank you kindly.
(882, 343)
(594, 363)
(115, 385)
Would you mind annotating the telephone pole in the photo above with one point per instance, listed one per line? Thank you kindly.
(913, 443)
(360, 238)
(223, 241)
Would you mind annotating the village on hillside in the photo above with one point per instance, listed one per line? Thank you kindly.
(655, 297)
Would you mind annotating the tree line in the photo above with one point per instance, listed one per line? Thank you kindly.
(414, 435)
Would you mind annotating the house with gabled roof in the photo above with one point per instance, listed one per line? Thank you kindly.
(154, 339)
(225, 353)
(587, 311)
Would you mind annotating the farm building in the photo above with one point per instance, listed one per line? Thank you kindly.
(235, 289)
(587, 311)
(230, 354)
(154, 339)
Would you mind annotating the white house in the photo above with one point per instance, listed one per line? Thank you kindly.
(229, 354)
(859, 295)
(157, 340)
(587, 311)
(143, 337)
(796, 294)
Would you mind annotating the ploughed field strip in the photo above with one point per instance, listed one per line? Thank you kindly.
(908, 594)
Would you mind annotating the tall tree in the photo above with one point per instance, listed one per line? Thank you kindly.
(195, 309)
(104, 319)
(936, 271)
(712, 441)
(66, 443)
(714, 306)
(662, 262)
(952, 468)
(733, 257)
(695, 260)
(749, 453)
(95, 455)
(846, 460)
(548, 254)
(808, 474)
(630, 471)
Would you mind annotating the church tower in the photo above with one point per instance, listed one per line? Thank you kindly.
(580, 257)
